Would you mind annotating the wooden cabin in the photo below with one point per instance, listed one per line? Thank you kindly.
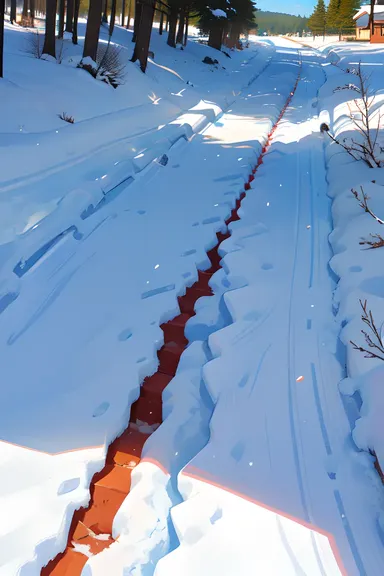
(363, 28)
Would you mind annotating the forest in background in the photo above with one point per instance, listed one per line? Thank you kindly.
(279, 23)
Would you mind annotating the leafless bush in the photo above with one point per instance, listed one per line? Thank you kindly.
(375, 346)
(363, 202)
(365, 147)
(64, 116)
(347, 87)
(34, 45)
(109, 65)
(376, 240)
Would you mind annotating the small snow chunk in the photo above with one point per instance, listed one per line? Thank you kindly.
(104, 537)
(68, 486)
(157, 266)
(219, 13)
(82, 549)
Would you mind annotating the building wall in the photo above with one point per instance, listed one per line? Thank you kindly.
(362, 34)
(378, 35)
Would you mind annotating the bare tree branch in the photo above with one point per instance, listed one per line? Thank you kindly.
(375, 348)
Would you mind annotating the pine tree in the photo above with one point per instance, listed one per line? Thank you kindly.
(332, 19)
(317, 22)
(347, 11)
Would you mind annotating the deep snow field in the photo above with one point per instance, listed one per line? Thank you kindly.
(264, 461)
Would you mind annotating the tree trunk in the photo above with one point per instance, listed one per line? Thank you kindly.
(172, 27)
(137, 21)
(186, 26)
(234, 35)
(25, 12)
(105, 13)
(2, 13)
(371, 17)
(123, 13)
(144, 35)
(61, 18)
(75, 20)
(129, 14)
(113, 18)
(70, 13)
(93, 29)
(50, 28)
(13, 11)
(161, 25)
(215, 36)
(32, 13)
(180, 30)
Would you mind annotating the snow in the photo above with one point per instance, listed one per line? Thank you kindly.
(66, 292)
(357, 268)
(110, 125)
(366, 9)
(262, 463)
(281, 490)
(219, 13)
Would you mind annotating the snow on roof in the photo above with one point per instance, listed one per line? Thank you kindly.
(366, 9)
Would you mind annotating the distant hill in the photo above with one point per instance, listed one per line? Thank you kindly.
(279, 23)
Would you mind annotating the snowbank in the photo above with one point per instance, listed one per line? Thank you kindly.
(357, 266)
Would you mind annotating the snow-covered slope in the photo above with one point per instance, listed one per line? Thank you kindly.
(82, 310)
(115, 133)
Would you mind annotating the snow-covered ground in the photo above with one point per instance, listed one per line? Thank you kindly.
(115, 133)
(275, 485)
(254, 470)
(317, 42)
(83, 296)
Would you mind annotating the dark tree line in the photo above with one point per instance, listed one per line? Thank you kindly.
(223, 21)
(280, 23)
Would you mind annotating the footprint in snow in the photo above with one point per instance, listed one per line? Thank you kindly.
(125, 335)
(101, 409)
(68, 486)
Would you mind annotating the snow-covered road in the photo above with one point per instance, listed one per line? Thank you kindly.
(254, 461)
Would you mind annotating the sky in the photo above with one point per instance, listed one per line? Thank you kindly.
(302, 7)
